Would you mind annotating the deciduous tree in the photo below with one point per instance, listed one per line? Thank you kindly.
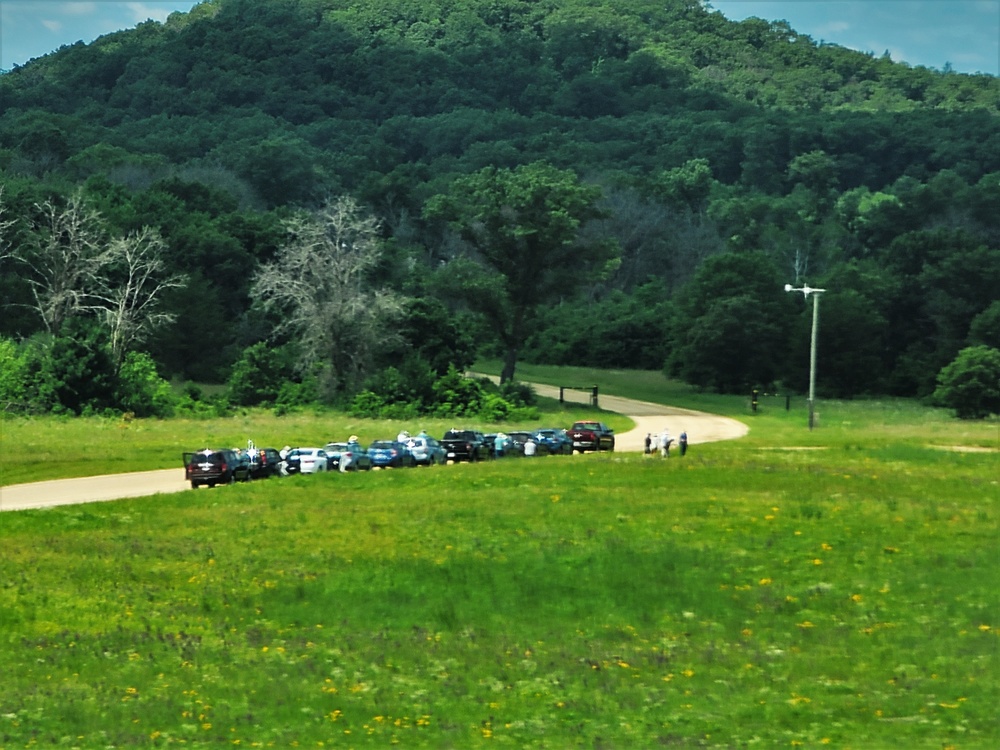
(525, 245)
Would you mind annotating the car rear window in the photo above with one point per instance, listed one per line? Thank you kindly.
(382, 445)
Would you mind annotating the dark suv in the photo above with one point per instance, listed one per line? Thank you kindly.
(213, 467)
(465, 445)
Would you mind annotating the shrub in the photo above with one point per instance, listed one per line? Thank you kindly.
(13, 375)
(456, 395)
(141, 390)
(518, 394)
(259, 375)
(495, 408)
(82, 370)
(367, 404)
(971, 383)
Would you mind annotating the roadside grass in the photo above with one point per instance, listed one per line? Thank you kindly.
(737, 597)
(833, 588)
(41, 448)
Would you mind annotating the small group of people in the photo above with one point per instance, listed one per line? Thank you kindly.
(661, 442)
(405, 437)
(502, 442)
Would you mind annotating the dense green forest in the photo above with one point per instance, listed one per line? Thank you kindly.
(307, 199)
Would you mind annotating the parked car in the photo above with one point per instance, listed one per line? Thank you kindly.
(466, 445)
(211, 467)
(347, 456)
(264, 462)
(518, 439)
(554, 441)
(390, 453)
(427, 451)
(592, 436)
(305, 461)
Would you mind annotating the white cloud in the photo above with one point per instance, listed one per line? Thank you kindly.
(54, 26)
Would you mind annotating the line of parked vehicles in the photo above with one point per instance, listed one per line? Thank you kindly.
(226, 466)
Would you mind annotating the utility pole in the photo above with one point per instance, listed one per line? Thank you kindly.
(806, 291)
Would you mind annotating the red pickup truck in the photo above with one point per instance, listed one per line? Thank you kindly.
(591, 436)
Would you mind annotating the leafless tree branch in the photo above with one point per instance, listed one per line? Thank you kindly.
(319, 284)
(130, 290)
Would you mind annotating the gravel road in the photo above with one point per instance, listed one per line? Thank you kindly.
(648, 417)
(701, 427)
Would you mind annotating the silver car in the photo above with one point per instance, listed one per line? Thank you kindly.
(426, 451)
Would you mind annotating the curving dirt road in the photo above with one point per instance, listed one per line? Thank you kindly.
(652, 418)
(648, 417)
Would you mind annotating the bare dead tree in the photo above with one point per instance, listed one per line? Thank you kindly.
(62, 256)
(6, 225)
(319, 283)
(135, 275)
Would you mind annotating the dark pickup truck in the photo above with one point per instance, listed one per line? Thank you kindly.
(465, 445)
(591, 436)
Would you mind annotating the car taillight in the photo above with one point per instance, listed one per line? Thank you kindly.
(223, 466)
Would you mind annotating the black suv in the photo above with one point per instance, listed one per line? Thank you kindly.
(465, 445)
(213, 467)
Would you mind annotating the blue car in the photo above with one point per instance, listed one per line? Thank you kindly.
(347, 456)
(555, 441)
(390, 453)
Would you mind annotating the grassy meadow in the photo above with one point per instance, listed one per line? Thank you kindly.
(791, 589)
(36, 449)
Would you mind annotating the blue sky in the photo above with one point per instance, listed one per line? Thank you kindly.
(933, 33)
(962, 33)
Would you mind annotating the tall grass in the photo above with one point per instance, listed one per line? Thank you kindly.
(727, 599)
(751, 594)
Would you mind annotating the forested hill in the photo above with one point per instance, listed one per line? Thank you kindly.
(729, 157)
(304, 97)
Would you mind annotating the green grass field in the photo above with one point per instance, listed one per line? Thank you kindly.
(791, 589)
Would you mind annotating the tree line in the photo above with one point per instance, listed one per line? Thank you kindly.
(353, 199)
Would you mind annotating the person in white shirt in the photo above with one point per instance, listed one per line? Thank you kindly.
(529, 447)
(665, 441)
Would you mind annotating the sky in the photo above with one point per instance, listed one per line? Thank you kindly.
(964, 34)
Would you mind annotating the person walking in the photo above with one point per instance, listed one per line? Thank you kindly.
(682, 442)
(649, 443)
(665, 441)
